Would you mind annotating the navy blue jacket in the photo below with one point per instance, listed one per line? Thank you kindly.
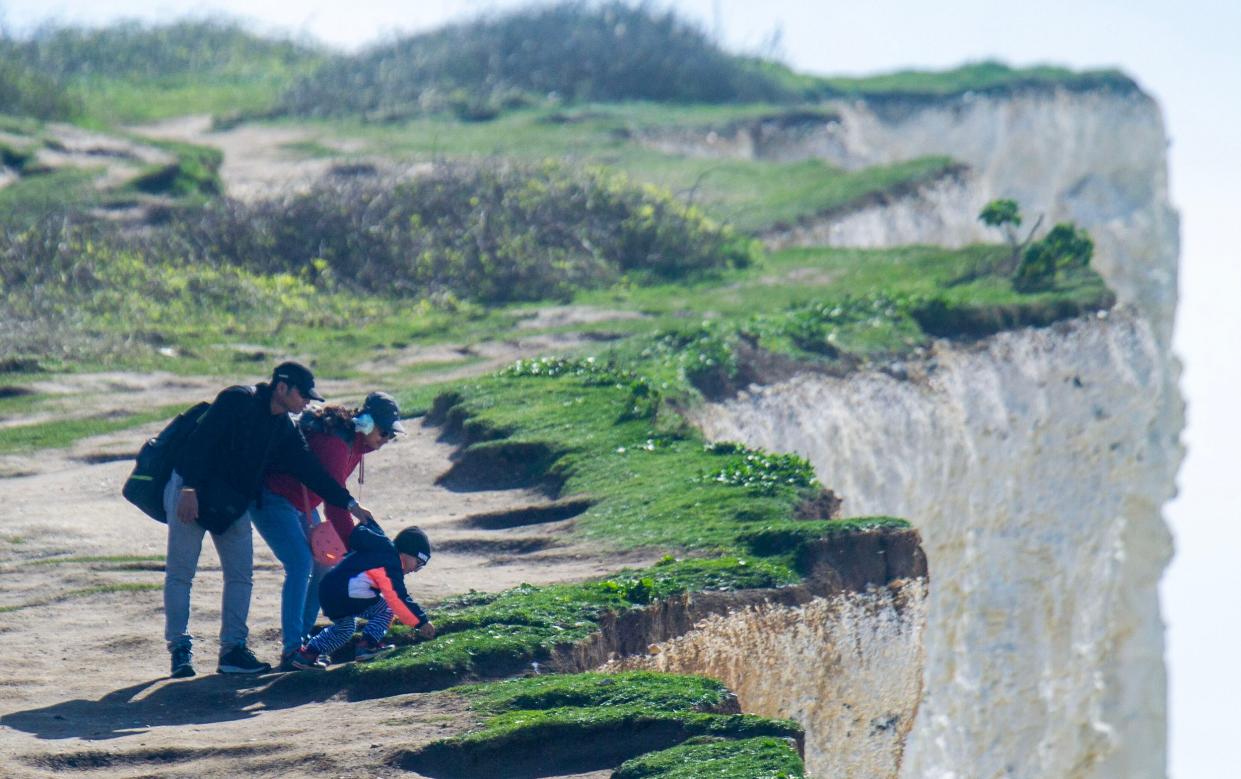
(375, 555)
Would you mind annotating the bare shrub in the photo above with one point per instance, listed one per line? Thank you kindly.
(571, 50)
(491, 234)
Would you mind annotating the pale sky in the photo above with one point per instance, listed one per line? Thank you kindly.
(1184, 53)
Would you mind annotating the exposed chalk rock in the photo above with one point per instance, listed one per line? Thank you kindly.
(1096, 157)
(943, 211)
(1035, 466)
(848, 668)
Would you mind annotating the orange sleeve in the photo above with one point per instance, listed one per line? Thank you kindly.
(395, 603)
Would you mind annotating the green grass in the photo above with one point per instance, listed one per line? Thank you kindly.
(758, 196)
(195, 174)
(99, 559)
(890, 302)
(987, 76)
(21, 403)
(654, 482)
(111, 101)
(309, 150)
(751, 758)
(494, 635)
(26, 91)
(646, 469)
(638, 688)
(129, 72)
(565, 51)
(20, 125)
(86, 592)
(16, 157)
(55, 192)
(751, 195)
(59, 433)
(40, 193)
(596, 720)
(861, 304)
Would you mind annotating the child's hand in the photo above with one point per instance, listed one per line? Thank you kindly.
(426, 630)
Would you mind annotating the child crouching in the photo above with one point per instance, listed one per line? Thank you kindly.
(369, 583)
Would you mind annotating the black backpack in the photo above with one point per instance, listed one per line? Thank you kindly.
(145, 486)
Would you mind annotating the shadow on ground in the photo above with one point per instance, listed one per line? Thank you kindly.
(163, 702)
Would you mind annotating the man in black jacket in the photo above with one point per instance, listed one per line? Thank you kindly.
(219, 471)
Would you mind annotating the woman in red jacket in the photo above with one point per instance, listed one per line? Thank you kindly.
(339, 437)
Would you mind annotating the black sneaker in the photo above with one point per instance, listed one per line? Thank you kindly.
(240, 660)
(183, 663)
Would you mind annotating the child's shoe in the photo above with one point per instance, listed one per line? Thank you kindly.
(286, 661)
(365, 648)
(307, 659)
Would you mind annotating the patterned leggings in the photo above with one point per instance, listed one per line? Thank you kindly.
(378, 618)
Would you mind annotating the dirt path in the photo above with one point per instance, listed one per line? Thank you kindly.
(264, 159)
(83, 687)
(257, 158)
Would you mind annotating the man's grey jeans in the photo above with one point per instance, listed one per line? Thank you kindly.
(236, 550)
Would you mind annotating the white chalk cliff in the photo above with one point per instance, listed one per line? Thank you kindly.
(1035, 463)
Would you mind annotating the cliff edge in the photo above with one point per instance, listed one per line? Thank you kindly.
(1036, 462)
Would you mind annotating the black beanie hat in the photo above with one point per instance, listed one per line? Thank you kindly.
(412, 541)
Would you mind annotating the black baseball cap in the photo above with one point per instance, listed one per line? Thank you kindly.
(297, 376)
(383, 409)
(414, 542)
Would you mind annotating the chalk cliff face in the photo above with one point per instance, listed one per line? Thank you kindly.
(847, 667)
(1095, 157)
(1035, 463)
(1035, 467)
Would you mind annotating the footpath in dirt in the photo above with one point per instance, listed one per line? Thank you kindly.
(84, 690)
(85, 686)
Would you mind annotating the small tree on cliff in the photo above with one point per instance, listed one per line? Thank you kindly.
(1005, 215)
(1066, 250)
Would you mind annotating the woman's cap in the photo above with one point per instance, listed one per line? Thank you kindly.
(412, 541)
(383, 409)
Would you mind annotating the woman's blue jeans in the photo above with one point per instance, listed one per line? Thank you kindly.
(284, 529)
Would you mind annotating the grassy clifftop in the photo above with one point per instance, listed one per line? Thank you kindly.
(988, 76)
(568, 51)
(132, 72)
(556, 53)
